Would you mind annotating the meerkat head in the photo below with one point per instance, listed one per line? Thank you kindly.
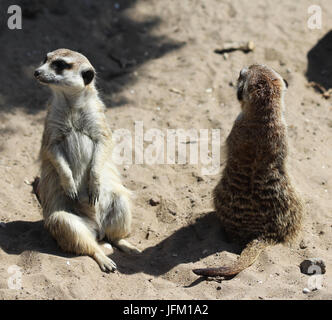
(65, 70)
(258, 85)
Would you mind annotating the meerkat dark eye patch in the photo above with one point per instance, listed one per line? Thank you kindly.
(286, 83)
(88, 76)
(60, 65)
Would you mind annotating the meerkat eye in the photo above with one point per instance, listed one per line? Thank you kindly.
(59, 65)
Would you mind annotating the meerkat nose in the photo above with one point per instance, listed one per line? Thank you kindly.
(243, 71)
(37, 73)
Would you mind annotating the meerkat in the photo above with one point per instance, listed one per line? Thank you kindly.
(80, 189)
(255, 199)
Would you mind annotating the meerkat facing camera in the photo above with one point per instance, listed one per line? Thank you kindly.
(255, 199)
(80, 189)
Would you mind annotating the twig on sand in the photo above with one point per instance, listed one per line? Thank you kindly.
(245, 46)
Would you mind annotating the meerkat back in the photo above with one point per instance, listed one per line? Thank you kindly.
(254, 199)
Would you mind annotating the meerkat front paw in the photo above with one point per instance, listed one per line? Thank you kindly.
(72, 193)
(93, 191)
(70, 189)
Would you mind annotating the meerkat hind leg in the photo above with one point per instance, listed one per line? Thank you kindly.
(115, 234)
(115, 237)
(119, 225)
(125, 246)
(73, 235)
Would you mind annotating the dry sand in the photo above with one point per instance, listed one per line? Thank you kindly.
(156, 64)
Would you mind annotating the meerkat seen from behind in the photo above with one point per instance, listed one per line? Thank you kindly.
(254, 199)
(80, 189)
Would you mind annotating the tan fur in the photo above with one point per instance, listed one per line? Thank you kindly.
(80, 189)
(254, 199)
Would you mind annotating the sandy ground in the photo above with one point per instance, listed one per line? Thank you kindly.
(156, 64)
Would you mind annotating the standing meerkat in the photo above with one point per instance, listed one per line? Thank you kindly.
(80, 189)
(254, 199)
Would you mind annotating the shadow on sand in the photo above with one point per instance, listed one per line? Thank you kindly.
(320, 62)
(103, 30)
(17, 237)
(193, 242)
(188, 244)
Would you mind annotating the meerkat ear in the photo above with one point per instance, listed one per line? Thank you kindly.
(286, 83)
(88, 76)
(239, 93)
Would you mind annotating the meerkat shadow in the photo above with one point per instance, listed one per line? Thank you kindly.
(319, 68)
(197, 240)
(19, 236)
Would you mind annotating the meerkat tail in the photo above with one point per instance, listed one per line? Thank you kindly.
(248, 256)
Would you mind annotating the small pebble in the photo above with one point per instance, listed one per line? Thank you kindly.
(313, 266)
(154, 202)
(303, 245)
(174, 90)
(199, 178)
(306, 290)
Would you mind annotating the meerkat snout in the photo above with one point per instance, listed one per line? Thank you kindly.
(243, 72)
(37, 73)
